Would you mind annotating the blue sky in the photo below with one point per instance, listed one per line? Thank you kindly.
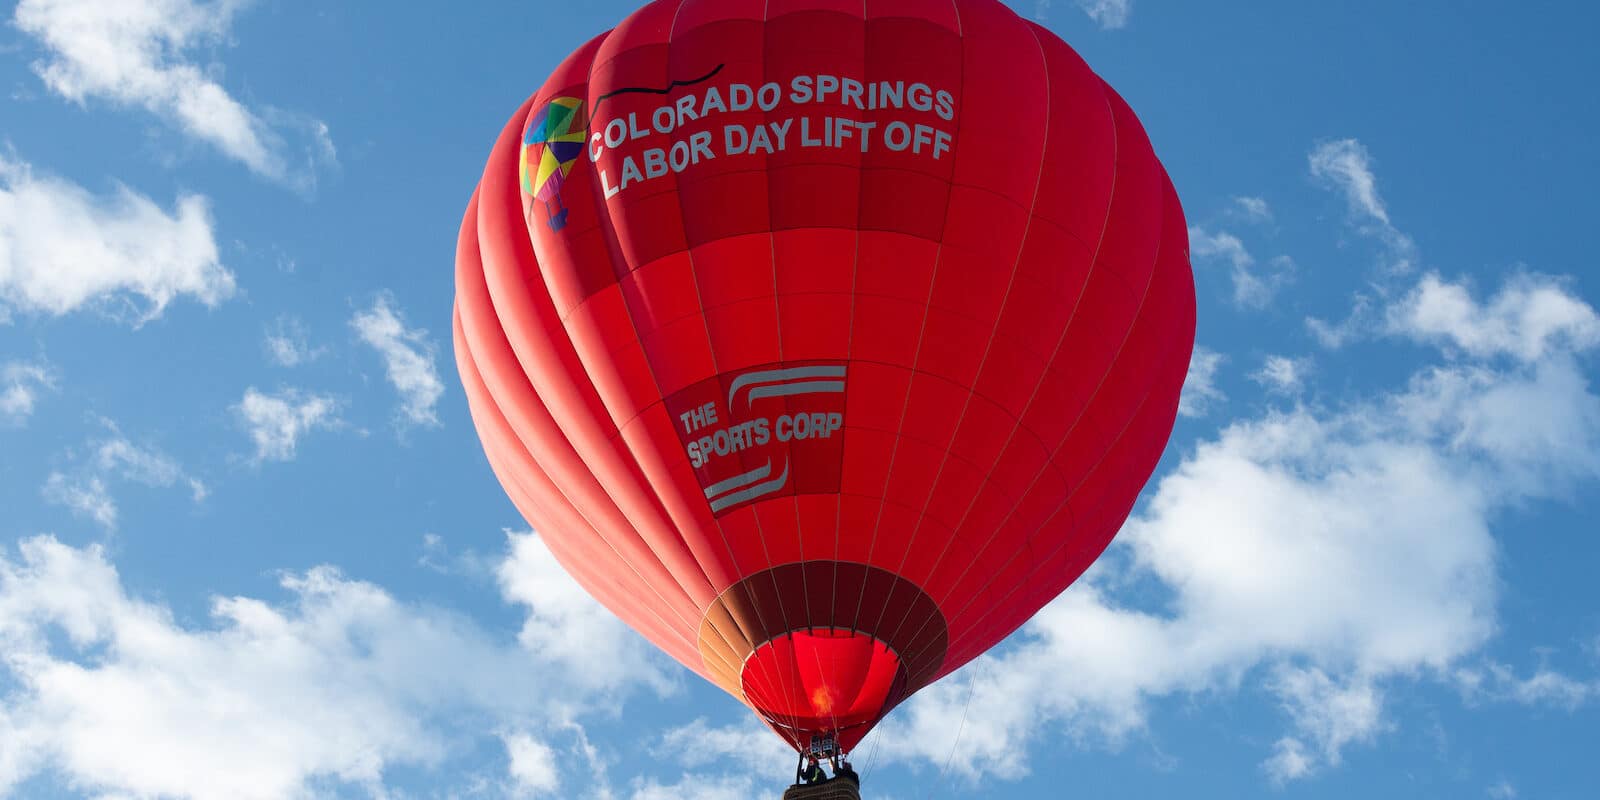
(250, 547)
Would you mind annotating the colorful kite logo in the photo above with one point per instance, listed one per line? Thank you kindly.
(550, 148)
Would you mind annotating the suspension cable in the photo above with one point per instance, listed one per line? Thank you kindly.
(972, 685)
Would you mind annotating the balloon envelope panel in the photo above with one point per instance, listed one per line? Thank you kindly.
(824, 342)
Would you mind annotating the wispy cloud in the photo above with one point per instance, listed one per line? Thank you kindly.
(21, 383)
(288, 343)
(1251, 209)
(276, 422)
(117, 455)
(137, 53)
(62, 248)
(700, 760)
(698, 786)
(1547, 687)
(1108, 13)
(439, 557)
(85, 487)
(85, 496)
(1356, 326)
(1253, 286)
(534, 766)
(1501, 790)
(1200, 390)
(1223, 246)
(1282, 375)
(1344, 165)
(748, 745)
(408, 358)
(1329, 715)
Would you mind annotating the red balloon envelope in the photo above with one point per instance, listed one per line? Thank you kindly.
(824, 342)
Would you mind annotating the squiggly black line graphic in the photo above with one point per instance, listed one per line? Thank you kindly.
(595, 108)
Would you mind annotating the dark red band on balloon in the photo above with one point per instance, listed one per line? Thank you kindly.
(820, 596)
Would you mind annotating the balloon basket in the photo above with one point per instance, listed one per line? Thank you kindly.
(836, 789)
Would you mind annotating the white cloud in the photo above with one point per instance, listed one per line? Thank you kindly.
(62, 248)
(741, 760)
(1502, 790)
(596, 764)
(146, 466)
(1252, 209)
(20, 385)
(1283, 375)
(1289, 761)
(135, 53)
(1552, 688)
(86, 490)
(1545, 687)
(335, 685)
(748, 744)
(1199, 385)
(1330, 551)
(1258, 288)
(1108, 13)
(567, 628)
(288, 343)
(276, 422)
(85, 495)
(533, 766)
(1353, 328)
(331, 688)
(1252, 287)
(1537, 426)
(1345, 166)
(1527, 318)
(699, 787)
(435, 555)
(1223, 246)
(408, 358)
(1330, 714)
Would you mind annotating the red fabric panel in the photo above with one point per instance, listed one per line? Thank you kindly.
(822, 680)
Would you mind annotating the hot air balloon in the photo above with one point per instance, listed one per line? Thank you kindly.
(824, 342)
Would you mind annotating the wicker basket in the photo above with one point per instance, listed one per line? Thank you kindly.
(836, 789)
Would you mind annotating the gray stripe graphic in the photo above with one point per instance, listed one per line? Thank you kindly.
(774, 375)
(786, 389)
(739, 480)
(753, 492)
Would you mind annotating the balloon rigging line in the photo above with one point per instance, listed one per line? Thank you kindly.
(872, 757)
(972, 686)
